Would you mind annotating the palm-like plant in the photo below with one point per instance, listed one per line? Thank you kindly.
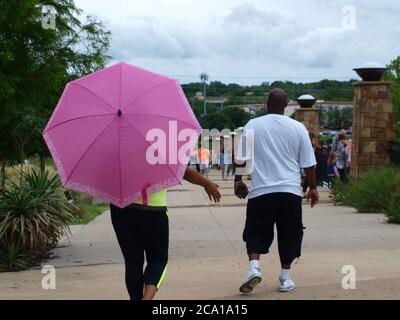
(12, 257)
(35, 214)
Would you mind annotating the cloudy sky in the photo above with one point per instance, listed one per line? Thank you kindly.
(251, 41)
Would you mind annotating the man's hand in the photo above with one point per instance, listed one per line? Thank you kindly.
(240, 189)
(212, 190)
(313, 196)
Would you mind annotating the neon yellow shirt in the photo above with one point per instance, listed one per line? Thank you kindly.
(158, 199)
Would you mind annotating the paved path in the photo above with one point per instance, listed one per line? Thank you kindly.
(207, 255)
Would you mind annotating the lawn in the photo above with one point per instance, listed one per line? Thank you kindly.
(90, 212)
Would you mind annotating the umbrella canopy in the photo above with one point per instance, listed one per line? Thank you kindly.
(121, 132)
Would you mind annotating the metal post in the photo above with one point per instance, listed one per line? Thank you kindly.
(204, 78)
(205, 96)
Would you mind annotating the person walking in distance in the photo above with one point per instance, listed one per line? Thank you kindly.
(279, 148)
(342, 158)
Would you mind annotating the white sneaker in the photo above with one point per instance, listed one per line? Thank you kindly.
(253, 278)
(286, 285)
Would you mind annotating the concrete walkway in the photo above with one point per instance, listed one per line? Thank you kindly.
(208, 261)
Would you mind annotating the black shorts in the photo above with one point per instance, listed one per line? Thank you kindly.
(263, 212)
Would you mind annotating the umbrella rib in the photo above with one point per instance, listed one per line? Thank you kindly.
(77, 118)
(162, 116)
(134, 128)
(147, 92)
(87, 150)
(94, 94)
(119, 137)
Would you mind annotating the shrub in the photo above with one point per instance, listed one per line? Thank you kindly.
(340, 193)
(12, 257)
(393, 210)
(375, 191)
(35, 214)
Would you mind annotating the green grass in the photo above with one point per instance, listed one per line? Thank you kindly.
(89, 212)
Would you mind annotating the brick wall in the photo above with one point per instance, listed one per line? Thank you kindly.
(373, 125)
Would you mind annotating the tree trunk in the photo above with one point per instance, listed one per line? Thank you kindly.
(42, 163)
(21, 154)
(3, 174)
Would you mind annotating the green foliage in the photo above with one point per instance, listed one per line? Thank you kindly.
(256, 94)
(89, 212)
(216, 120)
(341, 193)
(261, 112)
(398, 130)
(12, 258)
(322, 90)
(336, 118)
(393, 210)
(326, 140)
(238, 116)
(227, 118)
(35, 214)
(376, 191)
(35, 65)
(393, 74)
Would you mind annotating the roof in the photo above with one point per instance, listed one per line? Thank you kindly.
(349, 103)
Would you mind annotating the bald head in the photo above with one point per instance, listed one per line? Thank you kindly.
(277, 101)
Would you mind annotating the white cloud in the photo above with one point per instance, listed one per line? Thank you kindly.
(248, 41)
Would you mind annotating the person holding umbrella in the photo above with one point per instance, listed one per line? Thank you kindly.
(142, 230)
(124, 135)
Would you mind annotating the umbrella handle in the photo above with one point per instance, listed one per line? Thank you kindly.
(144, 195)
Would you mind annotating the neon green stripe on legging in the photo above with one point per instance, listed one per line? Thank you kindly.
(162, 277)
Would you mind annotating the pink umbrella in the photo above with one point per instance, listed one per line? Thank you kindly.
(122, 133)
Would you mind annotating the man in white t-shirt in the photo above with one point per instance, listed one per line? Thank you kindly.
(278, 147)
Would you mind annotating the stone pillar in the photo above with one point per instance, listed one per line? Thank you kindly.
(373, 125)
(310, 118)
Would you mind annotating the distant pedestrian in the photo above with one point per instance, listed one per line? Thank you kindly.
(335, 141)
(204, 157)
(223, 165)
(331, 171)
(342, 158)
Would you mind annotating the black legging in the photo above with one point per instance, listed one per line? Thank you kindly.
(343, 175)
(141, 232)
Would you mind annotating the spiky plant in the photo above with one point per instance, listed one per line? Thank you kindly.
(35, 214)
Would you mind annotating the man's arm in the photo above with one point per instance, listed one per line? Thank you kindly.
(312, 180)
(210, 187)
(240, 188)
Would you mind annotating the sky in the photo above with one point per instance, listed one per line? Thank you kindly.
(252, 41)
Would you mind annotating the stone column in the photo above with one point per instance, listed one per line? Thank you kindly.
(310, 118)
(373, 125)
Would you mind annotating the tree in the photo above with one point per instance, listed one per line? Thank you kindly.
(237, 116)
(216, 120)
(336, 118)
(393, 74)
(36, 63)
(260, 112)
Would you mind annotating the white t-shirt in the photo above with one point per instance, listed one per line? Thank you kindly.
(281, 147)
